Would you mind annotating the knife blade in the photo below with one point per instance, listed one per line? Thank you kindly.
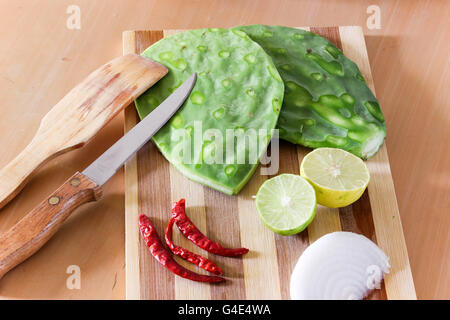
(29, 234)
(109, 162)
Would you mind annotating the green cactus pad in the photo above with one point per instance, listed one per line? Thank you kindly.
(327, 102)
(238, 87)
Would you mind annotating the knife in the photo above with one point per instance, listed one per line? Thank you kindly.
(29, 234)
(79, 115)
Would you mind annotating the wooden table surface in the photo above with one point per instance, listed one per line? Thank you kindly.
(41, 60)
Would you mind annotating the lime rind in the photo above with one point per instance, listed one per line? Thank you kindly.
(339, 177)
(350, 175)
(286, 204)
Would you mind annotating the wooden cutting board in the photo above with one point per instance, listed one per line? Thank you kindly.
(152, 184)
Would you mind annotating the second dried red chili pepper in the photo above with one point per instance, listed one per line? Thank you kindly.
(164, 257)
(190, 231)
(192, 257)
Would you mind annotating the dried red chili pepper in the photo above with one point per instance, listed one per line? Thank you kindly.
(190, 231)
(164, 256)
(192, 257)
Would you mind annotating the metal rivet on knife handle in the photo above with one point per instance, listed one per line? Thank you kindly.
(75, 182)
(53, 200)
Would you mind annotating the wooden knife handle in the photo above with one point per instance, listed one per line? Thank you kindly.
(29, 234)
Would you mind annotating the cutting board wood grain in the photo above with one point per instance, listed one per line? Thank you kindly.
(152, 185)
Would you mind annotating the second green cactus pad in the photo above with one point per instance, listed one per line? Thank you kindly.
(327, 102)
(238, 88)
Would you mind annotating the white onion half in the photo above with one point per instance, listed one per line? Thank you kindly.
(338, 266)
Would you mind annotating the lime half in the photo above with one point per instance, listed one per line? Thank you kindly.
(338, 176)
(286, 204)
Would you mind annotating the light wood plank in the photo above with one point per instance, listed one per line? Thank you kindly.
(260, 264)
(132, 273)
(388, 227)
(326, 221)
(182, 187)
